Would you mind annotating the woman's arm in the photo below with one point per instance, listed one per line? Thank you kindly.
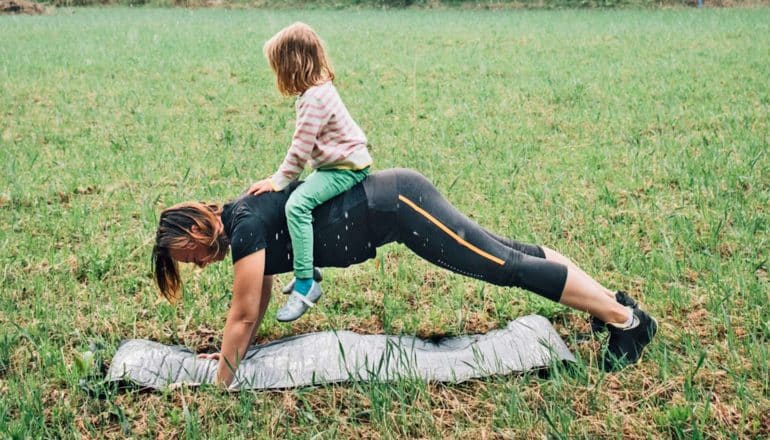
(267, 288)
(246, 311)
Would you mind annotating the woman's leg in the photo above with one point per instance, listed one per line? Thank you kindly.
(435, 230)
(579, 287)
(584, 293)
(552, 255)
(580, 276)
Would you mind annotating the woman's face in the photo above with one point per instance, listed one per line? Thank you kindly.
(199, 255)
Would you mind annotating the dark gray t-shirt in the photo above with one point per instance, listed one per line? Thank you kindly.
(341, 234)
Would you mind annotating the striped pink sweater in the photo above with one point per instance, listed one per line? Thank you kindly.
(326, 137)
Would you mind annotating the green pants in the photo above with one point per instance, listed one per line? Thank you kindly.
(319, 187)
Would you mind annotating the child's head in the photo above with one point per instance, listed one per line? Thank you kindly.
(297, 56)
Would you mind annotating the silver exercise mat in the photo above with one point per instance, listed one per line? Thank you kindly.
(527, 343)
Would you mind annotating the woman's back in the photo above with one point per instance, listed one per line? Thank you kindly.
(341, 231)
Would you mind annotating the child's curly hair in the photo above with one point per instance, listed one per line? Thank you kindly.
(298, 57)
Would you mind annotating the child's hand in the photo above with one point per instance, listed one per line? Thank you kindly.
(260, 187)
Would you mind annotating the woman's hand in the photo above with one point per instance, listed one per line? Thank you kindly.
(263, 186)
(212, 356)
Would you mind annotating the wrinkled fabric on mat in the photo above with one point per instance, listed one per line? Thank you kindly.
(527, 343)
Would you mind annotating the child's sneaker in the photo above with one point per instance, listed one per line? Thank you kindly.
(317, 276)
(298, 303)
(625, 345)
(598, 326)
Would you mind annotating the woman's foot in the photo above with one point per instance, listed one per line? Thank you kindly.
(298, 303)
(625, 345)
(598, 326)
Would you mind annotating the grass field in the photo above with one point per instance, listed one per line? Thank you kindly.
(635, 142)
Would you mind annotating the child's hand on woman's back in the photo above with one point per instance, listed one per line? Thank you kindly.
(260, 187)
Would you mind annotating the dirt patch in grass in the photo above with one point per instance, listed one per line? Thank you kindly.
(21, 7)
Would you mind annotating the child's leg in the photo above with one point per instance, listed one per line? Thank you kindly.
(319, 187)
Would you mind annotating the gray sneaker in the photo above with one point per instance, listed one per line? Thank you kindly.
(298, 304)
(317, 276)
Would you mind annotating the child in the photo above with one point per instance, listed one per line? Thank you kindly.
(326, 137)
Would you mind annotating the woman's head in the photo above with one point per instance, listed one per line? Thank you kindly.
(191, 233)
(297, 56)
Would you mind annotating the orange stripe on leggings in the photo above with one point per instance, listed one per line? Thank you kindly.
(449, 232)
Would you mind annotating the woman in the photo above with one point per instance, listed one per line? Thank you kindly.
(392, 205)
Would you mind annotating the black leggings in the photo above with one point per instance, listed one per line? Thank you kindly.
(405, 207)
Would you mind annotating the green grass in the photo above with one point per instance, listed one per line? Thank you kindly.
(635, 142)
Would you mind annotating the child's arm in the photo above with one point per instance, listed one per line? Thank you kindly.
(311, 117)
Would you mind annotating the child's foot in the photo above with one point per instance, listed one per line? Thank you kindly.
(317, 276)
(298, 303)
(625, 345)
(598, 326)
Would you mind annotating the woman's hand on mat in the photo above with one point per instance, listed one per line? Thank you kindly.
(260, 187)
(213, 356)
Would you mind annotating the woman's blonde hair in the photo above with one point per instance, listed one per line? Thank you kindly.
(298, 57)
(184, 226)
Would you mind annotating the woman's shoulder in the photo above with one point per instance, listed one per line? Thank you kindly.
(233, 212)
(252, 210)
